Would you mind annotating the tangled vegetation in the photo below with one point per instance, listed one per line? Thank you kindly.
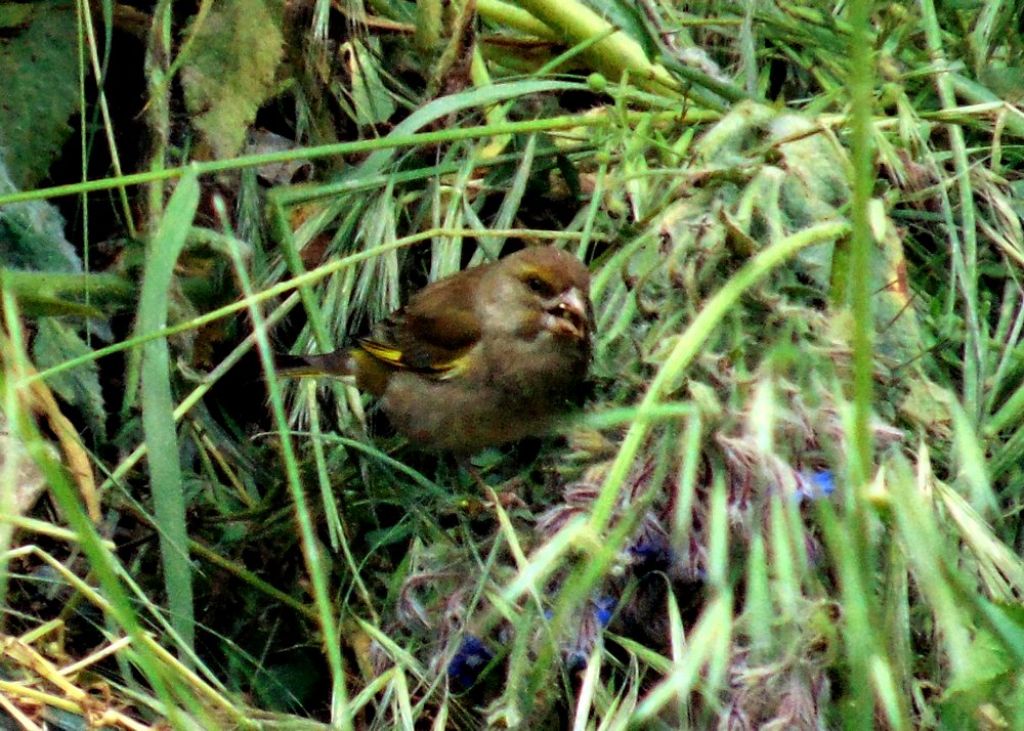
(790, 500)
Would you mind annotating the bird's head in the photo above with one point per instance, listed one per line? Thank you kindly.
(541, 290)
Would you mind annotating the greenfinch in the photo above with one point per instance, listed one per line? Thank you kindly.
(481, 358)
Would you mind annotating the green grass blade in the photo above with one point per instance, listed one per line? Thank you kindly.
(158, 406)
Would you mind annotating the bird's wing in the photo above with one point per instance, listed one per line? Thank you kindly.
(435, 330)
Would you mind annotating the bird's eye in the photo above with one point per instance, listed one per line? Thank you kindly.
(538, 285)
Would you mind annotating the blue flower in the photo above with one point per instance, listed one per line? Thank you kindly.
(815, 485)
(822, 482)
(650, 553)
(603, 608)
(575, 661)
(465, 667)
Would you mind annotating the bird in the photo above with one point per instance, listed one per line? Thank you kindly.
(482, 358)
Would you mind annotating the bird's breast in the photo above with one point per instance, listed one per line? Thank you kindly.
(460, 416)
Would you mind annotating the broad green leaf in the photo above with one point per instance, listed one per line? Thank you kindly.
(55, 293)
(229, 71)
(11, 15)
(55, 342)
(39, 83)
(32, 233)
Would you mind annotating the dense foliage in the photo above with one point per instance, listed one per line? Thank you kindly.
(790, 500)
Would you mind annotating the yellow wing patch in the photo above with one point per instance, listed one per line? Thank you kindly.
(396, 358)
(391, 356)
(452, 368)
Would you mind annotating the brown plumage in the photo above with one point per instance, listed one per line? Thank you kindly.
(481, 358)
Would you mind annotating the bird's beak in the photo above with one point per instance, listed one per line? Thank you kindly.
(569, 314)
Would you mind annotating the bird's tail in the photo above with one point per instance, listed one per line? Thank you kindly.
(335, 365)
